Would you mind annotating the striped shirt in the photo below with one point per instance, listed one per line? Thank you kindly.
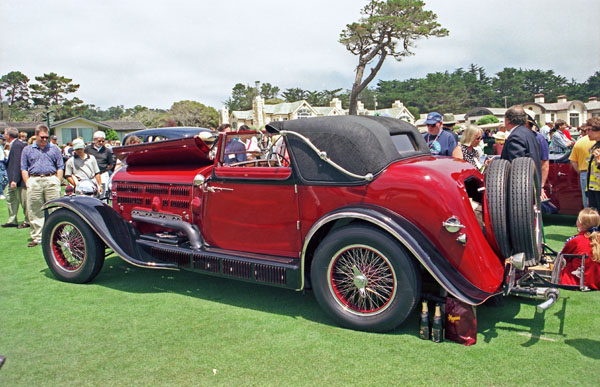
(38, 161)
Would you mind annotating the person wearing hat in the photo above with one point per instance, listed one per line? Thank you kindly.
(499, 138)
(82, 166)
(448, 122)
(440, 142)
(104, 156)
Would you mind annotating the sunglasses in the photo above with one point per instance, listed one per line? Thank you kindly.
(100, 140)
(478, 138)
(44, 137)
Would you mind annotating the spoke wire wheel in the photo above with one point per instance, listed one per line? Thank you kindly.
(72, 250)
(68, 247)
(362, 280)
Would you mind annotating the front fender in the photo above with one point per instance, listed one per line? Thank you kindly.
(115, 231)
(413, 240)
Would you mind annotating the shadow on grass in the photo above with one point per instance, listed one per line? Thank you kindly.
(587, 347)
(119, 275)
(492, 319)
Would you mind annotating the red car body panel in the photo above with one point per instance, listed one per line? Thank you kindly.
(405, 188)
(563, 187)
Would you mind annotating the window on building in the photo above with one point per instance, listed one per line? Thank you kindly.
(574, 119)
(304, 113)
(552, 117)
(68, 134)
(86, 134)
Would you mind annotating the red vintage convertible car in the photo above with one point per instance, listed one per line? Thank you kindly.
(355, 208)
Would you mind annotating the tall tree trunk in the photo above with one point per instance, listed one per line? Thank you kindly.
(356, 89)
(359, 85)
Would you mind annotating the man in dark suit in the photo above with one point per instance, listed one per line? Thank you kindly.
(16, 193)
(521, 141)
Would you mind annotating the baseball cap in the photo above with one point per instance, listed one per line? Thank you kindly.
(433, 118)
(99, 134)
(78, 144)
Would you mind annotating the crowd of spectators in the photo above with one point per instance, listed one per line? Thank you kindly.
(32, 172)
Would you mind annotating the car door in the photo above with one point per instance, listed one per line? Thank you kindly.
(252, 205)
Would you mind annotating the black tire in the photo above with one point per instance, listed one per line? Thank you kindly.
(364, 279)
(496, 186)
(524, 212)
(73, 252)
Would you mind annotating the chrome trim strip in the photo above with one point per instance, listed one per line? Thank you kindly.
(151, 265)
(323, 156)
(357, 215)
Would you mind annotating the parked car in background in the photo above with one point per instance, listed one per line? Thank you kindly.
(353, 207)
(562, 186)
(161, 134)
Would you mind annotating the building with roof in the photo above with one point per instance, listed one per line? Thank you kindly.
(262, 114)
(574, 112)
(68, 129)
(71, 128)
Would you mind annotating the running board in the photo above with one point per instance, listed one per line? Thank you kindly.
(269, 270)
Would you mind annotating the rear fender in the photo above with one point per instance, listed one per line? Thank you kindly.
(115, 231)
(414, 241)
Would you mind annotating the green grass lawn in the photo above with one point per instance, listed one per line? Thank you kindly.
(135, 326)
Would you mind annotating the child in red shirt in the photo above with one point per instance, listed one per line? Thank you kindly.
(585, 242)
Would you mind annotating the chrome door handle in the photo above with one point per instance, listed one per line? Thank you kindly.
(218, 189)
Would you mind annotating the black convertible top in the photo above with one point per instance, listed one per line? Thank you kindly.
(360, 144)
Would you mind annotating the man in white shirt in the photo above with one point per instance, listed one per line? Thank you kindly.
(82, 166)
(545, 130)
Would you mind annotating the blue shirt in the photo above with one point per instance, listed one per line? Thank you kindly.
(235, 151)
(38, 161)
(441, 145)
(544, 151)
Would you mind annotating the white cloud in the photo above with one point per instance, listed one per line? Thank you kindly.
(154, 53)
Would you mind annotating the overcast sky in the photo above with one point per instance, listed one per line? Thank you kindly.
(154, 53)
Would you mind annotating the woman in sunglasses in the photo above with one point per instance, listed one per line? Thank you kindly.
(468, 146)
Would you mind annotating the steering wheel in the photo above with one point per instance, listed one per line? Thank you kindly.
(279, 157)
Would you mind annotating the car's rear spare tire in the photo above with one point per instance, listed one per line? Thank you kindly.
(364, 279)
(524, 213)
(496, 186)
